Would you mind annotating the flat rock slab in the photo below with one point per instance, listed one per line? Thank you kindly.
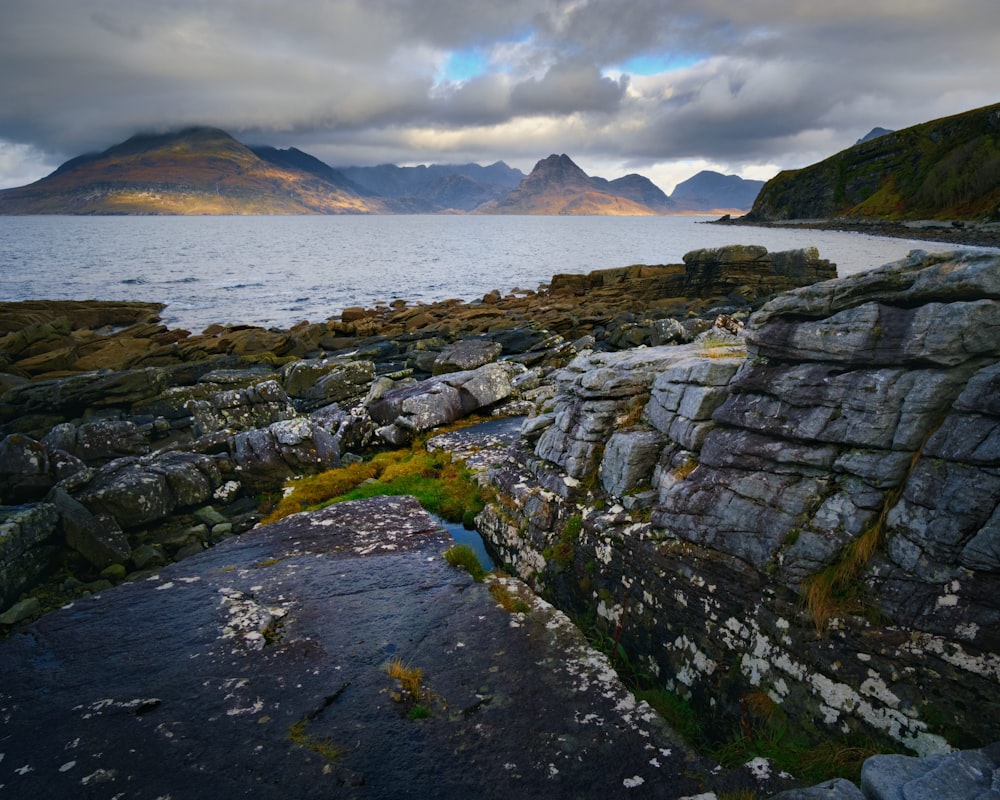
(257, 669)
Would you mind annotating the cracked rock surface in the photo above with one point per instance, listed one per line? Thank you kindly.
(258, 668)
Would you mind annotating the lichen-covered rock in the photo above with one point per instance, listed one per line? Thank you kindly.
(465, 355)
(856, 447)
(27, 547)
(255, 406)
(319, 382)
(98, 441)
(410, 409)
(138, 491)
(266, 457)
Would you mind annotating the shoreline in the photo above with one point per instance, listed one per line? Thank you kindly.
(971, 234)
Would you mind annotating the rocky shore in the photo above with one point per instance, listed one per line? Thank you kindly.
(775, 492)
(975, 234)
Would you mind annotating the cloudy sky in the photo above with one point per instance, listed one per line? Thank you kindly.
(660, 87)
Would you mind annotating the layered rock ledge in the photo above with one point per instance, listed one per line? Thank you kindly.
(815, 523)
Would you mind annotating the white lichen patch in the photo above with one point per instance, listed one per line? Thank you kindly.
(248, 619)
(987, 665)
(633, 782)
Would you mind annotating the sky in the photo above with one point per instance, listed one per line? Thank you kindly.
(664, 88)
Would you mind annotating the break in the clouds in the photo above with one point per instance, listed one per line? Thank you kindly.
(662, 87)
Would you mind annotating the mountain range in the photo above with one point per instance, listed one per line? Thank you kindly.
(945, 169)
(206, 171)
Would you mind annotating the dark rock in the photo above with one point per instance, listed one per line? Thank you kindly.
(98, 539)
(25, 471)
(278, 641)
(465, 355)
(27, 547)
(265, 458)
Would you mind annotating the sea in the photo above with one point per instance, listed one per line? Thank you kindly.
(276, 271)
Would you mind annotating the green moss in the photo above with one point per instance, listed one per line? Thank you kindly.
(298, 734)
(443, 486)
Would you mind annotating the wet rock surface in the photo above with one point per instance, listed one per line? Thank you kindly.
(258, 668)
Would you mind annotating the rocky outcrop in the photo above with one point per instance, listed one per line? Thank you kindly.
(956, 776)
(260, 668)
(823, 530)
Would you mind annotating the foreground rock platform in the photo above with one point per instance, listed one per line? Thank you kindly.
(257, 668)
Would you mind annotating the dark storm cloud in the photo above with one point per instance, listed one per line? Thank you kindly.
(779, 82)
(567, 88)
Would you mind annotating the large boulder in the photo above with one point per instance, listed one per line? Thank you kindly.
(408, 410)
(138, 491)
(266, 457)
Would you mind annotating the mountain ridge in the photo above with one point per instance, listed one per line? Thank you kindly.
(204, 170)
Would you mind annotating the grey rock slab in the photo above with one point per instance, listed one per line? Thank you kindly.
(838, 789)
(257, 668)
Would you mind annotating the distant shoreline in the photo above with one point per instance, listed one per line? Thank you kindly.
(973, 234)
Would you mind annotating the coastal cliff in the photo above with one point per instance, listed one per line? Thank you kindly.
(810, 527)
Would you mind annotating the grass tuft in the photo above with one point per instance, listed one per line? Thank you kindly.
(462, 555)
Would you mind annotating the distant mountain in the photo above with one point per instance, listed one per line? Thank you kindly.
(558, 186)
(874, 133)
(944, 169)
(715, 193)
(206, 171)
(438, 187)
(643, 191)
(193, 171)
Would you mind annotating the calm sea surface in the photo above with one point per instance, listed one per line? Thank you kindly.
(277, 271)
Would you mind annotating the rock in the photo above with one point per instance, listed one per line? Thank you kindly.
(628, 461)
(99, 441)
(668, 331)
(91, 389)
(837, 789)
(96, 538)
(266, 458)
(408, 410)
(21, 611)
(319, 383)
(279, 641)
(245, 409)
(464, 355)
(138, 491)
(25, 471)
(835, 453)
(721, 271)
(27, 547)
(597, 394)
(956, 776)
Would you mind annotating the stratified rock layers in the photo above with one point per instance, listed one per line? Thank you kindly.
(824, 523)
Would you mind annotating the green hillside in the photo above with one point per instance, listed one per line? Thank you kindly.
(946, 169)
